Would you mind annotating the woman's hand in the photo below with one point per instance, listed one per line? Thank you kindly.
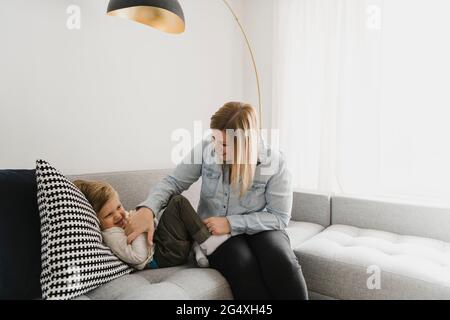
(217, 225)
(140, 222)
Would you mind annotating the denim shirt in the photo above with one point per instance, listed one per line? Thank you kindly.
(265, 206)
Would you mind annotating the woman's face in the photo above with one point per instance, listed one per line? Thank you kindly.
(223, 145)
(112, 214)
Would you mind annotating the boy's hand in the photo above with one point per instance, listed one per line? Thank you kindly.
(217, 225)
(140, 222)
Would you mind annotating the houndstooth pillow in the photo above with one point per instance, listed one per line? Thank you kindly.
(74, 259)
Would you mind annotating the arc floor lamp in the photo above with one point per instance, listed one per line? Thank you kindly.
(168, 16)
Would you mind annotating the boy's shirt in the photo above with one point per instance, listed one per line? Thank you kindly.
(138, 254)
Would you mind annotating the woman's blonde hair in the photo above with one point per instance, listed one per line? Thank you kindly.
(240, 119)
(96, 192)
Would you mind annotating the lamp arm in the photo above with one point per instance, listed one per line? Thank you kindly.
(253, 59)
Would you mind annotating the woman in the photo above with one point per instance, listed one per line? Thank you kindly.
(246, 192)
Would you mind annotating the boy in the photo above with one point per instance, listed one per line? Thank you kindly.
(179, 229)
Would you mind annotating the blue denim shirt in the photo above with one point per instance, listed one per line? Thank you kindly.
(265, 206)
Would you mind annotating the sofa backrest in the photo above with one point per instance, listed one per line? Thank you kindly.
(314, 207)
(401, 218)
(134, 186)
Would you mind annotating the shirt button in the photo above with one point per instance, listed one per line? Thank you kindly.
(224, 206)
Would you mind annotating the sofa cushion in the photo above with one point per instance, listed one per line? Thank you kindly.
(299, 232)
(180, 283)
(344, 262)
(135, 287)
(74, 259)
(202, 284)
(20, 238)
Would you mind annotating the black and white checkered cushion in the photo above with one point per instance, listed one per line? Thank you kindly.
(74, 259)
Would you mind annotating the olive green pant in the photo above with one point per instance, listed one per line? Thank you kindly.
(178, 227)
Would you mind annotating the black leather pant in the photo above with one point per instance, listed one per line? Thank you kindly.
(260, 266)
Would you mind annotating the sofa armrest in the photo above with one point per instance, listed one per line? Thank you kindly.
(310, 206)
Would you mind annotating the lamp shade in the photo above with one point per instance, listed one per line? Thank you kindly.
(164, 15)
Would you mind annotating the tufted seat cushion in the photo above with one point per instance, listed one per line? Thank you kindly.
(340, 261)
(176, 283)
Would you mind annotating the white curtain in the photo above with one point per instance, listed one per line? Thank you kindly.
(361, 96)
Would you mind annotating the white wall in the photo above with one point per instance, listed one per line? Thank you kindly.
(107, 97)
(257, 19)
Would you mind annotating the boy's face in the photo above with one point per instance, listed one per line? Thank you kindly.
(112, 214)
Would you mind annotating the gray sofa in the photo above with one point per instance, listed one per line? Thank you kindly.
(349, 248)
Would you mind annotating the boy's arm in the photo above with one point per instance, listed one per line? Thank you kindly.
(135, 253)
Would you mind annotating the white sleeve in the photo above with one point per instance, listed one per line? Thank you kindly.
(135, 253)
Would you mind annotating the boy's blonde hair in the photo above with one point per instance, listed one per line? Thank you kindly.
(96, 192)
(241, 119)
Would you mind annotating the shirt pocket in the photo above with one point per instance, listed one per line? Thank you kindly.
(210, 182)
(255, 197)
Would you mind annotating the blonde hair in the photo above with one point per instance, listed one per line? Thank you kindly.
(98, 193)
(241, 119)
